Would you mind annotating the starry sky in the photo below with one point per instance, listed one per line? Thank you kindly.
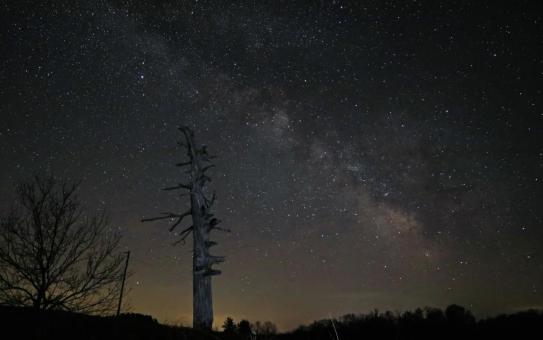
(374, 154)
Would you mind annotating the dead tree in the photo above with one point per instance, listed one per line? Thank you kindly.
(196, 165)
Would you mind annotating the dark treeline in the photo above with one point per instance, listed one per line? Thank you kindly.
(454, 322)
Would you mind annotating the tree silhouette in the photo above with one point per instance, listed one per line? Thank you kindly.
(229, 327)
(245, 330)
(264, 330)
(456, 314)
(53, 255)
(203, 222)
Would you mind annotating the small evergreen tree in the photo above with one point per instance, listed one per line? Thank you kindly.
(229, 327)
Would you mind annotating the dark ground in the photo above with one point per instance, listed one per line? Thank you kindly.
(453, 323)
(25, 323)
(431, 323)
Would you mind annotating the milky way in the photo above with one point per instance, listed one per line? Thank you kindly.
(380, 155)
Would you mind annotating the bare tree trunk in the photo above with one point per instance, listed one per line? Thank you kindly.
(202, 304)
(203, 223)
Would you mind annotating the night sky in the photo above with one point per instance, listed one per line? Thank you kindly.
(376, 154)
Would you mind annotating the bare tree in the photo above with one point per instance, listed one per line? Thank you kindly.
(264, 330)
(53, 255)
(203, 222)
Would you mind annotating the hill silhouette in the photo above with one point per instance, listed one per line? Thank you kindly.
(28, 323)
(455, 322)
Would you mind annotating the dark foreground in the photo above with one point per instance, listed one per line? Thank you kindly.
(453, 323)
(431, 323)
(25, 323)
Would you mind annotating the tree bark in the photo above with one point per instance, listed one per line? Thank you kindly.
(203, 223)
(202, 295)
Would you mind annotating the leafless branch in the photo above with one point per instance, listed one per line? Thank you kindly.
(179, 186)
(183, 163)
(53, 255)
(169, 215)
